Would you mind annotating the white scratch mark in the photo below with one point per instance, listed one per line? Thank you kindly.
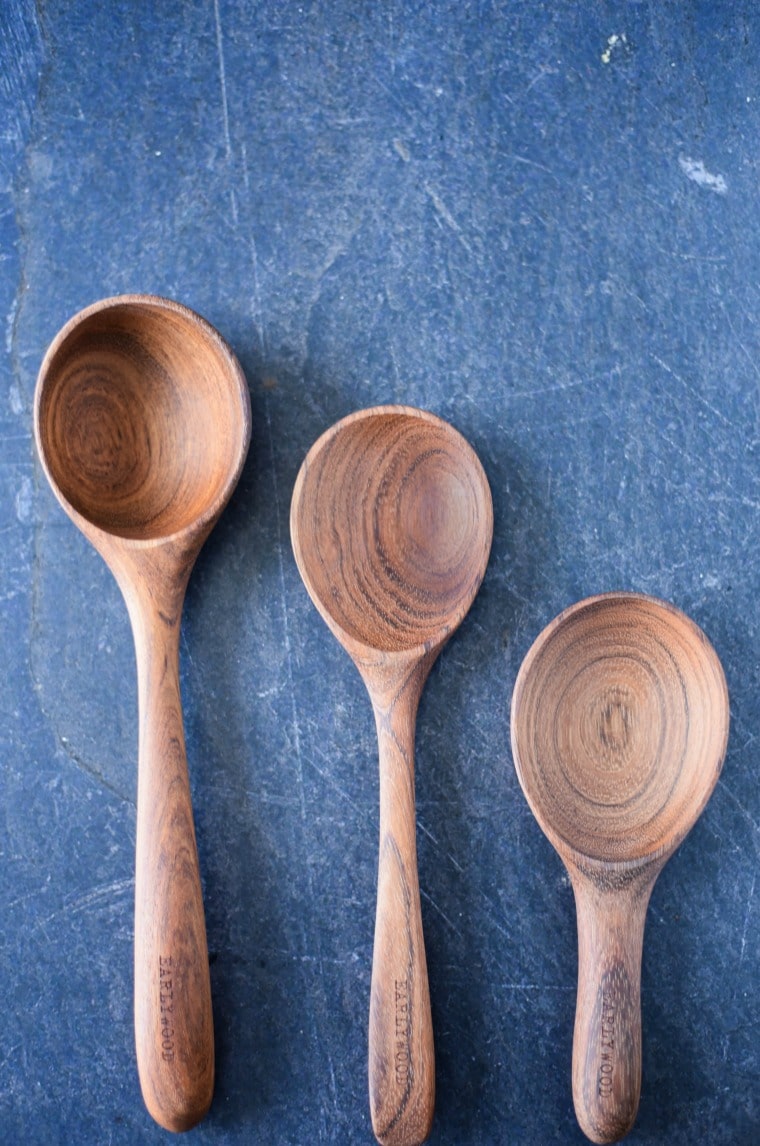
(542, 71)
(246, 175)
(331, 1068)
(29, 895)
(429, 834)
(741, 345)
(532, 987)
(10, 325)
(222, 79)
(104, 894)
(695, 170)
(530, 163)
(15, 399)
(540, 391)
(431, 837)
(225, 106)
(433, 904)
(396, 371)
(261, 795)
(746, 917)
(738, 499)
(402, 150)
(285, 621)
(328, 779)
(258, 316)
(24, 500)
(687, 386)
(352, 958)
(447, 217)
(755, 826)
(11, 1052)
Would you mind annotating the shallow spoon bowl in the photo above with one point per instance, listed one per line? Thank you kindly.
(619, 729)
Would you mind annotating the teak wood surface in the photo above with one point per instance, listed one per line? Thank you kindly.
(142, 421)
(391, 523)
(619, 729)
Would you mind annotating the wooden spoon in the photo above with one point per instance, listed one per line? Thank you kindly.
(619, 729)
(391, 523)
(142, 421)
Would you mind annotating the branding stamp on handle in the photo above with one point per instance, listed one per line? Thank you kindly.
(166, 1006)
(604, 1080)
(402, 1057)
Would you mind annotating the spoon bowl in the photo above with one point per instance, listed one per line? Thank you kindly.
(142, 422)
(130, 395)
(390, 509)
(391, 523)
(619, 729)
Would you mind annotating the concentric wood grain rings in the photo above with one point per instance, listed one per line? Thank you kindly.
(392, 503)
(137, 420)
(620, 719)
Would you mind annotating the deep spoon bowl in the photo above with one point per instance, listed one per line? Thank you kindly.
(619, 729)
(391, 522)
(142, 421)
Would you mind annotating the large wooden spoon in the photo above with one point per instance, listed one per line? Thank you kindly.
(619, 729)
(391, 523)
(142, 421)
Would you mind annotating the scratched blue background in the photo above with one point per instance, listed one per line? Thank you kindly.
(539, 221)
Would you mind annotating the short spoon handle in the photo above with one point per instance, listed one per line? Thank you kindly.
(607, 1039)
(173, 1018)
(401, 1056)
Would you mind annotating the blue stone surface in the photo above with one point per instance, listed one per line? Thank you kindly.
(538, 221)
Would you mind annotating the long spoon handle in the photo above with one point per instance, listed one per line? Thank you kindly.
(607, 1040)
(173, 1018)
(401, 1056)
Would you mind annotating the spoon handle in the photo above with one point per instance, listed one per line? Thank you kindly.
(173, 1018)
(607, 1039)
(401, 1056)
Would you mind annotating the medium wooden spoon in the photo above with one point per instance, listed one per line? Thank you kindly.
(391, 523)
(142, 420)
(619, 729)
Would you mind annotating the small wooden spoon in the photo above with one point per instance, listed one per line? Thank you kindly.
(619, 729)
(142, 420)
(391, 523)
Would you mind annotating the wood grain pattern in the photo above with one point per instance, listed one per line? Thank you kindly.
(142, 421)
(391, 522)
(619, 729)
